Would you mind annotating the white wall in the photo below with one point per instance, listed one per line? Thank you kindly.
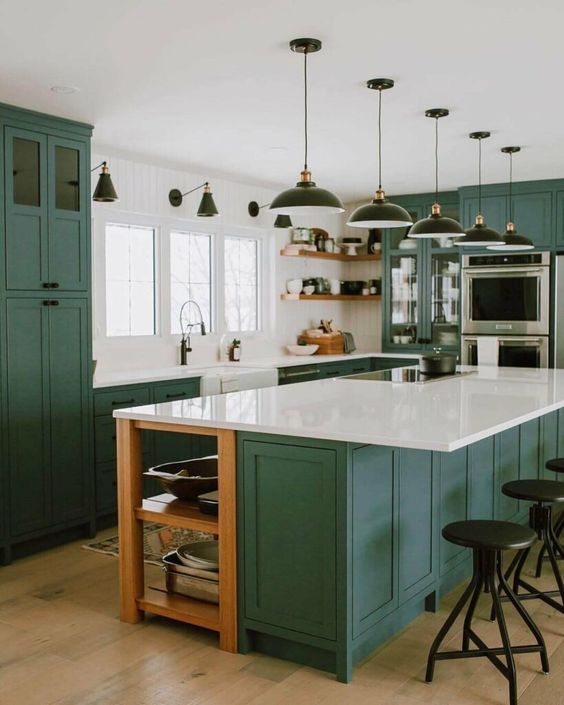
(143, 191)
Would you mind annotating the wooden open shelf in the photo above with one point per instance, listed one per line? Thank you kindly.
(167, 509)
(181, 608)
(337, 256)
(329, 297)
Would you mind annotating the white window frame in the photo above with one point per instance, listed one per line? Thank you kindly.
(163, 226)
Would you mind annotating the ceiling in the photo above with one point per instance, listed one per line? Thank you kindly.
(213, 85)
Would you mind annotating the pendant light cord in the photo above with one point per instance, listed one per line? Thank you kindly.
(305, 110)
(436, 160)
(480, 176)
(380, 139)
(510, 185)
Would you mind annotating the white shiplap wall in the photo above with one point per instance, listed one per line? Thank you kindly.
(143, 190)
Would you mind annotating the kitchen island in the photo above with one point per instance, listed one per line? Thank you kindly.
(338, 490)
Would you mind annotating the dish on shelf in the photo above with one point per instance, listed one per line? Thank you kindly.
(407, 244)
(350, 248)
(314, 332)
(294, 286)
(203, 555)
(308, 290)
(186, 479)
(302, 349)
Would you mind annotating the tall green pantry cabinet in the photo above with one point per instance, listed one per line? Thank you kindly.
(46, 465)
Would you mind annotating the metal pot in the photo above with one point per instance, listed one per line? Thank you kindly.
(437, 363)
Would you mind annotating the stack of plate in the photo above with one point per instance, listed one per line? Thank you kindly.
(200, 556)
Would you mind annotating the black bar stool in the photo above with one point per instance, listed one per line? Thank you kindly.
(543, 493)
(557, 466)
(488, 539)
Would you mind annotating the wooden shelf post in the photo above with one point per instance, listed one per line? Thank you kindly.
(130, 495)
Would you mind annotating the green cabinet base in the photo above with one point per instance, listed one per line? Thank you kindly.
(340, 544)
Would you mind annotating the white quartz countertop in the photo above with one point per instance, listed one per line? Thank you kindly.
(157, 374)
(442, 415)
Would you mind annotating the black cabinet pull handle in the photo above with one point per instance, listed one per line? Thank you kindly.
(54, 285)
(124, 401)
(178, 394)
(50, 285)
(53, 302)
(46, 302)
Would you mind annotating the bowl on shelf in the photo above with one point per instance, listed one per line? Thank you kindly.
(308, 290)
(203, 555)
(186, 479)
(294, 286)
(302, 349)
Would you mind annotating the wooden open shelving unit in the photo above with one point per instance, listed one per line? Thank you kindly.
(337, 256)
(133, 510)
(329, 297)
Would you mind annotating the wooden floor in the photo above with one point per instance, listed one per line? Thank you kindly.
(61, 642)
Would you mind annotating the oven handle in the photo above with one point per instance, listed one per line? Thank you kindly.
(504, 272)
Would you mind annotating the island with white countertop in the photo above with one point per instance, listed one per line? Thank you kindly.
(332, 498)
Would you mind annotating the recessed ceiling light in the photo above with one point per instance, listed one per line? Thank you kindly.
(64, 90)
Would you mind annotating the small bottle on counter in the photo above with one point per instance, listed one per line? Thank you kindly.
(235, 350)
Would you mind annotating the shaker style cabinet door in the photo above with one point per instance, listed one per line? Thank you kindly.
(69, 382)
(25, 164)
(68, 244)
(28, 415)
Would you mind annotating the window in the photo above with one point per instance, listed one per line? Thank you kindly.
(241, 284)
(130, 280)
(190, 277)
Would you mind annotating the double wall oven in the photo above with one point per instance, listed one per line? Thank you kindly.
(506, 309)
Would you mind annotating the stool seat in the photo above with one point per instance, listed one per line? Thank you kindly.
(486, 534)
(555, 464)
(535, 490)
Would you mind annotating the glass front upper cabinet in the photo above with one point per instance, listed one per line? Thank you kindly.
(445, 299)
(67, 182)
(26, 172)
(404, 296)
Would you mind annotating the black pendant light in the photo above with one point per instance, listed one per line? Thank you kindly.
(104, 191)
(512, 240)
(479, 235)
(281, 221)
(436, 225)
(207, 207)
(380, 213)
(306, 197)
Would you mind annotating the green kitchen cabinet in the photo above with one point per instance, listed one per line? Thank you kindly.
(158, 446)
(290, 575)
(421, 285)
(48, 413)
(46, 205)
(532, 206)
(46, 467)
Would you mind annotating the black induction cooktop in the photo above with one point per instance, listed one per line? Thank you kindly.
(411, 375)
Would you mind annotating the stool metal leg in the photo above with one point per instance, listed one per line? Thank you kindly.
(474, 585)
(510, 671)
(467, 628)
(525, 616)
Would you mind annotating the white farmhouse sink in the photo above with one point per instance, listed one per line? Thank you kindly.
(220, 380)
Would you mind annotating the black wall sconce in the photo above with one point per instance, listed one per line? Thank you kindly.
(206, 209)
(104, 191)
(282, 221)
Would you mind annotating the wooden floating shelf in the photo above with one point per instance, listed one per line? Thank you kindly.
(337, 256)
(184, 609)
(167, 509)
(329, 297)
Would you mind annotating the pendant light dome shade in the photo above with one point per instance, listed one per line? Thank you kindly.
(306, 197)
(479, 235)
(380, 213)
(436, 225)
(511, 239)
